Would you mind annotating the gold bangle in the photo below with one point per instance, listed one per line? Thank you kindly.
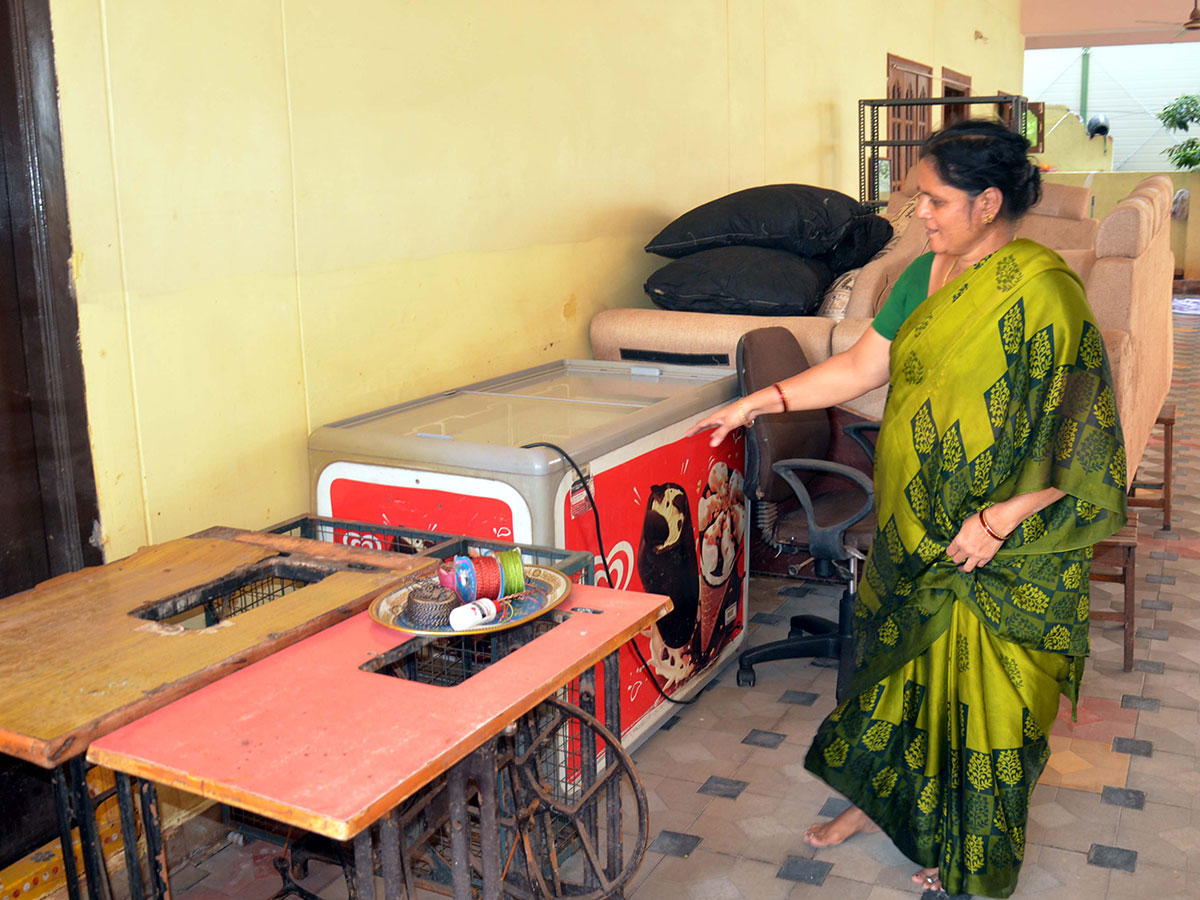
(988, 528)
(782, 396)
(741, 405)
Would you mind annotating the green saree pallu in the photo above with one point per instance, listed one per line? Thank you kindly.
(999, 386)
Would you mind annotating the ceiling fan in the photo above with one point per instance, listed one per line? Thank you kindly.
(1191, 23)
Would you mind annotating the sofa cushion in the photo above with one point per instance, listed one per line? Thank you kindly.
(810, 221)
(837, 296)
(1064, 201)
(836, 302)
(749, 280)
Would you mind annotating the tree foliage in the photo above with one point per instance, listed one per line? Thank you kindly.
(1178, 115)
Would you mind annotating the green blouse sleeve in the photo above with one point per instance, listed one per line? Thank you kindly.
(910, 290)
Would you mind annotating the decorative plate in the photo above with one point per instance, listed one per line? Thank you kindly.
(544, 590)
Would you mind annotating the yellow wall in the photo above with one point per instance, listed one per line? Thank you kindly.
(1068, 147)
(287, 212)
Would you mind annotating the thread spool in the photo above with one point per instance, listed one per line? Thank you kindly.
(489, 579)
(492, 575)
(464, 578)
(429, 606)
(512, 568)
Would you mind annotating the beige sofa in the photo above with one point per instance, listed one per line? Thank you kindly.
(1125, 262)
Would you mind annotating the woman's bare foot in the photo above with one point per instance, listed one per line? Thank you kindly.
(826, 834)
(928, 879)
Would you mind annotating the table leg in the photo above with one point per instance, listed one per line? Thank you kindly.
(1168, 490)
(1130, 578)
(89, 835)
(160, 883)
(489, 824)
(612, 721)
(364, 865)
(62, 811)
(587, 752)
(460, 859)
(133, 865)
(395, 885)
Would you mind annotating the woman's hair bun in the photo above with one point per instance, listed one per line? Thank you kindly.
(976, 154)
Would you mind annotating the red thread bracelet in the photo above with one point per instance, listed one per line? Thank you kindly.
(782, 396)
(988, 528)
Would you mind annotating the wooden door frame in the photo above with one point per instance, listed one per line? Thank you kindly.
(49, 313)
(957, 81)
(918, 119)
(959, 85)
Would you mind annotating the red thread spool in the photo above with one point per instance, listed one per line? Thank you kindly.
(487, 577)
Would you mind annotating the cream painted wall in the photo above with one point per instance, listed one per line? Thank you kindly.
(1068, 147)
(289, 211)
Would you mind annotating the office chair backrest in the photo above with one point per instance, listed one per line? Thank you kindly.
(764, 356)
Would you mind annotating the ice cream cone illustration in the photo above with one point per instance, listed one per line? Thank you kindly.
(666, 564)
(721, 512)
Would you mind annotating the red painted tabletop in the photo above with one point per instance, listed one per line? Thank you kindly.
(306, 737)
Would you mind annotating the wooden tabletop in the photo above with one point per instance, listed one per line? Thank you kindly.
(76, 664)
(306, 737)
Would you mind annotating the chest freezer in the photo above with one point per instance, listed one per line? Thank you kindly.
(673, 516)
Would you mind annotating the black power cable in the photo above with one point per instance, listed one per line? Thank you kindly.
(604, 560)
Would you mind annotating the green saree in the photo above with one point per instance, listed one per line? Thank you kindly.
(999, 386)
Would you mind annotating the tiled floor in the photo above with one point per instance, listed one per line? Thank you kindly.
(1117, 814)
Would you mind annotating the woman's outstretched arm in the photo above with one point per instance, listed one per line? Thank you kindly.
(842, 377)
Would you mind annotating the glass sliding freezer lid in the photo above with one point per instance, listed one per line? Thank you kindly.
(554, 402)
(583, 380)
(489, 419)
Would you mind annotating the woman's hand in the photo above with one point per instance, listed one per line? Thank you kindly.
(723, 421)
(972, 546)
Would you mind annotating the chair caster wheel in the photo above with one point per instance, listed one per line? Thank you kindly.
(745, 677)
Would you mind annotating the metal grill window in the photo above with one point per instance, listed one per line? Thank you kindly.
(225, 598)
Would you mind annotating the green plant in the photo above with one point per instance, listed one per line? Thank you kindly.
(1177, 116)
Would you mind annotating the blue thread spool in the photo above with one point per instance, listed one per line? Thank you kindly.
(464, 579)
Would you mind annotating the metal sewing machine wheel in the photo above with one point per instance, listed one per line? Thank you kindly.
(551, 808)
(566, 815)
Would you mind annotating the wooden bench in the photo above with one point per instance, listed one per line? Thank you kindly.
(1114, 561)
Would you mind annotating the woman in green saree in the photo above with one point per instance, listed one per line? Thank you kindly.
(999, 464)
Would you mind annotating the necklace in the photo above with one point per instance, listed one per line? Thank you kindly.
(946, 279)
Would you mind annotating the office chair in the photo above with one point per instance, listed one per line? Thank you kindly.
(785, 458)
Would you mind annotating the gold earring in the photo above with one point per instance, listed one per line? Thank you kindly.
(988, 218)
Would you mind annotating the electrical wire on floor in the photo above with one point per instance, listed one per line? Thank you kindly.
(604, 561)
